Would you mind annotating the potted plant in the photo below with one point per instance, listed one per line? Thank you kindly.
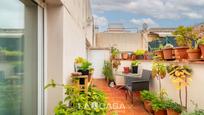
(134, 66)
(201, 45)
(85, 67)
(159, 106)
(158, 52)
(125, 55)
(184, 38)
(114, 53)
(147, 98)
(168, 51)
(194, 51)
(173, 108)
(139, 54)
(159, 72)
(108, 72)
(181, 77)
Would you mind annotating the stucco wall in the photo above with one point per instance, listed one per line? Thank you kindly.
(195, 89)
(124, 41)
(66, 39)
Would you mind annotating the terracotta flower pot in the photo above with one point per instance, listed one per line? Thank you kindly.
(172, 112)
(159, 53)
(148, 106)
(125, 55)
(160, 112)
(181, 53)
(133, 56)
(168, 53)
(202, 50)
(140, 57)
(194, 53)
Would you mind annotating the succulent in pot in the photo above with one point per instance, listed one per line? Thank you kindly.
(184, 39)
(168, 51)
(173, 108)
(139, 54)
(147, 97)
(134, 66)
(200, 43)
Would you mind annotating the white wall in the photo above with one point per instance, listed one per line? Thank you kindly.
(97, 58)
(195, 89)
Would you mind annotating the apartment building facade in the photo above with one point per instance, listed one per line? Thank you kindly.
(54, 33)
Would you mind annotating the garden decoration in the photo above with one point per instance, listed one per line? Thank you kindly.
(181, 77)
(159, 72)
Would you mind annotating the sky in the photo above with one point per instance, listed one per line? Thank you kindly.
(11, 14)
(155, 13)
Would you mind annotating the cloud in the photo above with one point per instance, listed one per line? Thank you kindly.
(159, 9)
(102, 21)
(140, 22)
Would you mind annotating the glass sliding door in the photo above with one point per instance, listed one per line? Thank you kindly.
(18, 57)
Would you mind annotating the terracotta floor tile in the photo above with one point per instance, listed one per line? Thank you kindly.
(117, 97)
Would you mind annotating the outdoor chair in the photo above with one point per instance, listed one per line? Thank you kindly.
(133, 84)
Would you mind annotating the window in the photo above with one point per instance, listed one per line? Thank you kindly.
(18, 57)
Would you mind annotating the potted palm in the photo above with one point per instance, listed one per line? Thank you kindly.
(173, 108)
(201, 45)
(168, 51)
(139, 54)
(134, 65)
(184, 38)
(159, 106)
(147, 98)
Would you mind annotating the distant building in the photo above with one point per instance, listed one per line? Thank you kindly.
(118, 36)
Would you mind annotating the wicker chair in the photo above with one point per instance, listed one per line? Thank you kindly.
(133, 84)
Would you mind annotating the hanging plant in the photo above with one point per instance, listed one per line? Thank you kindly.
(181, 76)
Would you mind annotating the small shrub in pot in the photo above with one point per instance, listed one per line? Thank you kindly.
(134, 66)
(173, 108)
(168, 51)
(139, 54)
(159, 106)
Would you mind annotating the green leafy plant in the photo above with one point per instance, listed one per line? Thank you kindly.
(200, 41)
(139, 52)
(108, 70)
(185, 36)
(86, 65)
(75, 103)
(170, 104)
(114, 52)
(158, 104)
(135, 63)
(147, 95)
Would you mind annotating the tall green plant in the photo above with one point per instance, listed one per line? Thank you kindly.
(185, 36)
(159, 72)
(108, 70)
